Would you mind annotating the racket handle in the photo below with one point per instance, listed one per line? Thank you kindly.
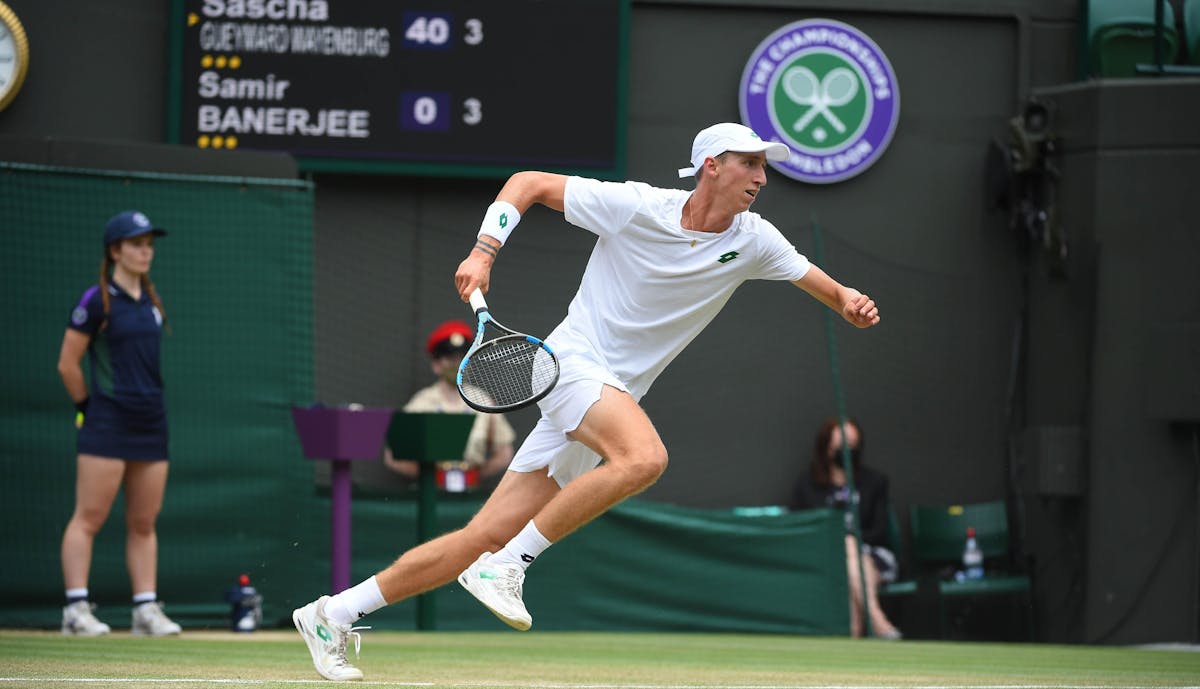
(477, 301)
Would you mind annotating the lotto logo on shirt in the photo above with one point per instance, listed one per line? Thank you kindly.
(827, 91)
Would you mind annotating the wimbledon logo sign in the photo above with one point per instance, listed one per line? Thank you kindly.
(827, 91)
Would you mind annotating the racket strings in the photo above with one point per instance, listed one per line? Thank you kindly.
(508, 372)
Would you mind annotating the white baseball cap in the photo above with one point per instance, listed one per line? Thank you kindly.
(730, 136)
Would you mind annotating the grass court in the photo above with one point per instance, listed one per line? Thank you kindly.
(578, 660)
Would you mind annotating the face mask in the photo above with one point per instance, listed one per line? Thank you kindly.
(855, 456)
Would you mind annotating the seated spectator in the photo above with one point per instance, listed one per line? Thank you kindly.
(824, 485)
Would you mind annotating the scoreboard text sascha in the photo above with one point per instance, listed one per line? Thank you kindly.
(473, 87)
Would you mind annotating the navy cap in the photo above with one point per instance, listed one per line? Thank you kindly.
(129, 224)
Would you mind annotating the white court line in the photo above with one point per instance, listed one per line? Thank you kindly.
(529, 685)
(196, 680)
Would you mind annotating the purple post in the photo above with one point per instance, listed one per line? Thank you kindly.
(339, 532)
(341, 435)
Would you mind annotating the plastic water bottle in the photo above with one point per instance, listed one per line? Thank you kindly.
(972, 557)
(246, 612)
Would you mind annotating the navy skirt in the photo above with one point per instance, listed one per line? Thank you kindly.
(121, 431)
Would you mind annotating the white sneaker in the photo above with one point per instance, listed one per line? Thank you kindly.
(326, 641)
(499, 588)
(150, 620)
(78, 620)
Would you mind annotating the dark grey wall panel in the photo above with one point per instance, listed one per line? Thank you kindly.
(97, 70)
(1130, 166)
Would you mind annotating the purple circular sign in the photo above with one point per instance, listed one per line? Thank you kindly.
(827, 91)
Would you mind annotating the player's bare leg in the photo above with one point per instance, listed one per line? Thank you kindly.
(517, 498)
(618, 430)
(327, 631)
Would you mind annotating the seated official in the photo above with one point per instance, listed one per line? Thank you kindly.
(489, 446)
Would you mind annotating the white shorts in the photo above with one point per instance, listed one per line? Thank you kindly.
(579, 386)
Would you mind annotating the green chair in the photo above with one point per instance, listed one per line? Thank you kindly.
(1191, 29)
(1121, 36)
(938, 535)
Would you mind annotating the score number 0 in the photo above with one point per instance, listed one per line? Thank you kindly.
(426, 110)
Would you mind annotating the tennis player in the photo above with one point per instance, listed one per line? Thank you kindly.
(665, 263)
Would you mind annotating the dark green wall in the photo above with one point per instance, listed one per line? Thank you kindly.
(234, 273)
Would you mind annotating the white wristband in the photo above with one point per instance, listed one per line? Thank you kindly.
(499, 221)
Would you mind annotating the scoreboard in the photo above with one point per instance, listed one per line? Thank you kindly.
(444, 87)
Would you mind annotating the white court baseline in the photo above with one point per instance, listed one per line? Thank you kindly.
(101, 681)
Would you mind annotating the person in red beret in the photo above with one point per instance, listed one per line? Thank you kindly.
(490, 444)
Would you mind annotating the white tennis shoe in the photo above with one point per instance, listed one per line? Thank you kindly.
(78, 620)
(327, 641)
(149, 620)
(499, 588)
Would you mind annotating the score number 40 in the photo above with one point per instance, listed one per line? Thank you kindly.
(433, 30)
(428, 111)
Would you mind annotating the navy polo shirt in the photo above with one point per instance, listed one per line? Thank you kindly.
(124, 355)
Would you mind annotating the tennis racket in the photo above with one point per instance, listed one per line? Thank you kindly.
(504, 369)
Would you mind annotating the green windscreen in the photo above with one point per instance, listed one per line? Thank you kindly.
(642, 566)
(234, 274)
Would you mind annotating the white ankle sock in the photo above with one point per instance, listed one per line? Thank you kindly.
(523, 549)
(355, 602)
(77, 594)
(144, 597)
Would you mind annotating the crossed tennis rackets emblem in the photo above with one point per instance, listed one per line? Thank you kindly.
(837, 88)
(825, 89)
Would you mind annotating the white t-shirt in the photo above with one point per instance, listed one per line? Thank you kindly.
(651, 286)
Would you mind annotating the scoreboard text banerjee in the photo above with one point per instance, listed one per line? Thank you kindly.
(405, 86)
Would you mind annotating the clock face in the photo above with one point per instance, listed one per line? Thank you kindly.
(14, 55)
